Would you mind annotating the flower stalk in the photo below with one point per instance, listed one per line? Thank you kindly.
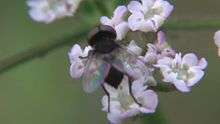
(39, 50)
(100, 5)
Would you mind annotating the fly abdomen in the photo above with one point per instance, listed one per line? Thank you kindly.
(114, 77)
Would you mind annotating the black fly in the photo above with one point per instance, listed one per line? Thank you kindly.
(108, 61)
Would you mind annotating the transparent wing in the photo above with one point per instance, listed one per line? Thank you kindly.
(94, 74)
(129, 63)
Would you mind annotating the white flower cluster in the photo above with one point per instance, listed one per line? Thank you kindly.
(122, 105)
(147, 15)
(49, 10)
(181, 72)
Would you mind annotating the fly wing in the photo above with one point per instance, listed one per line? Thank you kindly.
(94, 74)
(129, 63)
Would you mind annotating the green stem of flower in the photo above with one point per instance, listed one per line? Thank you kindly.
(120, 2)
(38, 51)
(100, 5)
(192, 25)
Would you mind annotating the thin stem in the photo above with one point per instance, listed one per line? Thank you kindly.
(120, 2)
(100, 5)
(42, 49)
(38, 51)
(192, 25)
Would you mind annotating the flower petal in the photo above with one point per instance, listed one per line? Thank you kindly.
(105, 103)
(119, 14)
(217, 38)
(76, 69)
(133, 47)
(86, 51)
(136, 22)
(202, 63)
(75, 52)
(157, 22)
(111, 90)
(165, 7)
(150, 101)
(181, 86)
(134, 6)
(39, 16)
(197, 76)
(165, 61)
(190, 59)
(121, 30)
(147, 4)
(177, 60)
(114, 118)
(106, 21)
(161, 38)
(150, 58)
(169, 77)
(47, 11)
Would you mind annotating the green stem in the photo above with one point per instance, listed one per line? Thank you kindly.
(101, 6)
(42, 49)
(120, 2)
(192, 25)
(38, 51)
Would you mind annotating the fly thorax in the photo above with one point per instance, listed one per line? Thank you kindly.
(105, 46)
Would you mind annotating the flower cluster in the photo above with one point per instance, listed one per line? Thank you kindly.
(48, 10)
(179, 71)
(183, 72)
(77, 64)
(122, 105)
(145, 16)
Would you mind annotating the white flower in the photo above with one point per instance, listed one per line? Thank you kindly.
(134, 48)
(217, 40)
(117, 22)
(148, 15)
(140, 71)
(123, 106)
(183, 72)
(48, 10)
(158, 50)
(77, 63)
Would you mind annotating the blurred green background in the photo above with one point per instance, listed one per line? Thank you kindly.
(41, 91)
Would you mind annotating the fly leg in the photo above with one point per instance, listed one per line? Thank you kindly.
(82, 57)
(131, 92)
(107, 93)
